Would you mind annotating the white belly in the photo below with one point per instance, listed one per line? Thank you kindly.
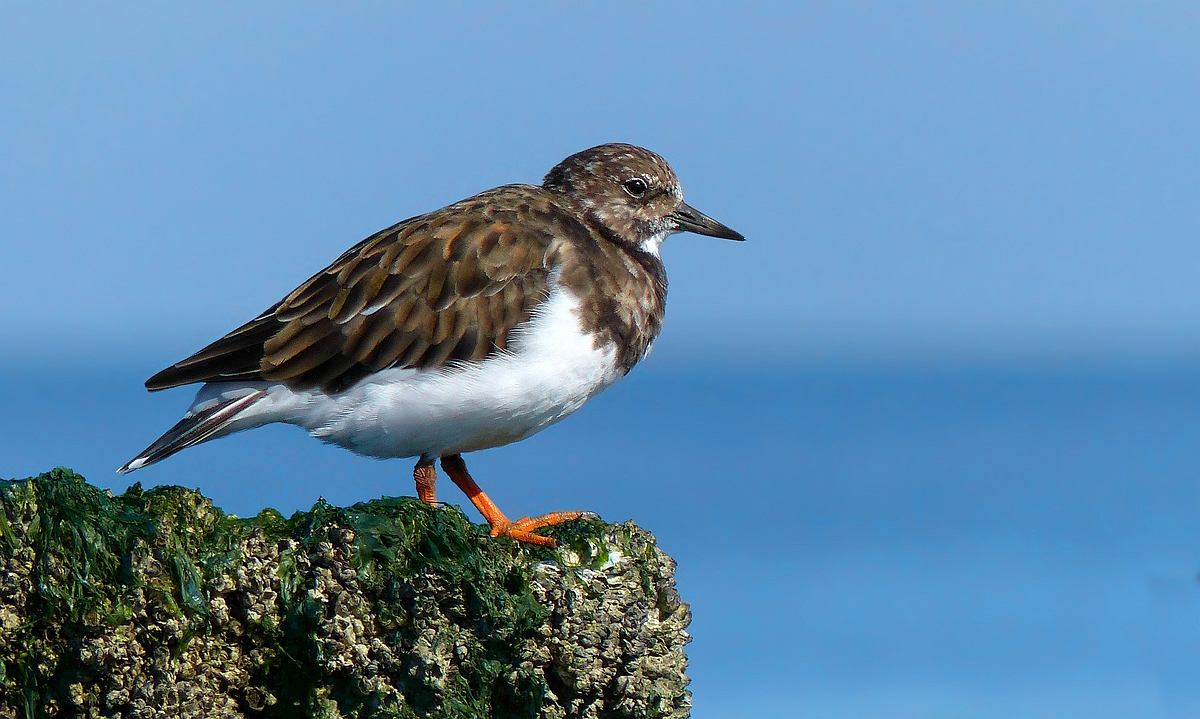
(550, 370)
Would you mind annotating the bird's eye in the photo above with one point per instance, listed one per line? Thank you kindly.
(635, 187)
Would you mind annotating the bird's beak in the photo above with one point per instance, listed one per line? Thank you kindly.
(692, 220)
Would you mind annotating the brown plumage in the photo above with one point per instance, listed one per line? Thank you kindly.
(452, 285)
(447, 286)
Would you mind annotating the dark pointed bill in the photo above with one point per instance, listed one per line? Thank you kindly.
(692, 220)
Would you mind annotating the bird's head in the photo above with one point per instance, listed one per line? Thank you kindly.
(631, 191)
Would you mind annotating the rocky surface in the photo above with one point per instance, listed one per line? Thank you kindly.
(156, 604)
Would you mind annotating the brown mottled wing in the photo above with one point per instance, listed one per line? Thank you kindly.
(446, 286)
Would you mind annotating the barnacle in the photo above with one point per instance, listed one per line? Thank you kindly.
(155, 603)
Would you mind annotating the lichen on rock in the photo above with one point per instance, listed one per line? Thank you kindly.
(156, 604)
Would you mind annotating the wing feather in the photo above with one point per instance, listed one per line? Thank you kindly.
(440, 288)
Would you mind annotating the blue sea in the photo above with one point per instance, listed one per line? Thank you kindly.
(855, 541)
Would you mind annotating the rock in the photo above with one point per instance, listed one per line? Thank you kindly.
(157, 604)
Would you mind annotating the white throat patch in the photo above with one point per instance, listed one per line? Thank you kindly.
(653, 243)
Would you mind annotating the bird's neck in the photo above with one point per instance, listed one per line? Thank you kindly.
(623, 291)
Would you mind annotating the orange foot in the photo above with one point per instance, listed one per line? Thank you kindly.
(521, 530)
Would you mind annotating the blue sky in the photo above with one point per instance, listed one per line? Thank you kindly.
(931, 180)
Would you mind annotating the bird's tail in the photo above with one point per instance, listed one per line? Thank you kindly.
(193, 429)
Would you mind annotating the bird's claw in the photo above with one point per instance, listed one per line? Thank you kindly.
(523, 529)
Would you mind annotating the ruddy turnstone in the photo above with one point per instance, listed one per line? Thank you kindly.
(467, 328)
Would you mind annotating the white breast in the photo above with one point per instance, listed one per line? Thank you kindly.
(551, 368)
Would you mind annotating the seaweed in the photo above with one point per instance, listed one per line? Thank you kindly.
(156, 603)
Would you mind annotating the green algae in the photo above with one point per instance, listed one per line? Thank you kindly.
(156, 603)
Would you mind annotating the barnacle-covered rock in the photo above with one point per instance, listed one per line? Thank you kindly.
(156, 604)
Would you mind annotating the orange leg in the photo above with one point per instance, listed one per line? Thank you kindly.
(426, 477)
(520, 530)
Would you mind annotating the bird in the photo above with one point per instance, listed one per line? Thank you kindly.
(467, 328)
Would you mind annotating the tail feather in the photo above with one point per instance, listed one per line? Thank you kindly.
(192, 430)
